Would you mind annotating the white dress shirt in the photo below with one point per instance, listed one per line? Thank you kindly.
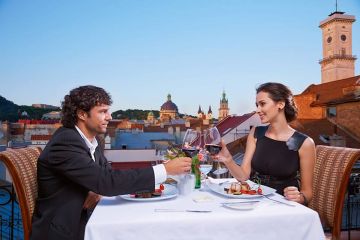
(159, 170)
(92, 145)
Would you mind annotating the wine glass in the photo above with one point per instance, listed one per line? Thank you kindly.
(205, 163)
(212, 140)
(160, 156)
(191, 143)
(191, 147)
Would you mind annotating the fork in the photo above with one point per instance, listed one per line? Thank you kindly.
(222, 183)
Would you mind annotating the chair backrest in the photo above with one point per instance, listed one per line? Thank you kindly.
(331, 176)
(22, 166)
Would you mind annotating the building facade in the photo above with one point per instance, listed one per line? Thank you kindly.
(331, 110)
(168, 110)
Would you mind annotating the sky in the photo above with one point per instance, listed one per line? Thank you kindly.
(139, 51)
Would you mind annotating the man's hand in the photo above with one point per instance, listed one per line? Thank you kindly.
(178, 165)
(91, 200)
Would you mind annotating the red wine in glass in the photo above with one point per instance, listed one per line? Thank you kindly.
(212, 140)
(213, 149)
(190, 151)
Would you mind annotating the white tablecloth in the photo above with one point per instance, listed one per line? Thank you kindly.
(115, 218)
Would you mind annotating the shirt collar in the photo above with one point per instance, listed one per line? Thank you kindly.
(92, 145)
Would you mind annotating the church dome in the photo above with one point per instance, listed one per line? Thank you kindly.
(169, 105)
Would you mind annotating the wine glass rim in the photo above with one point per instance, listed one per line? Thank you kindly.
(192, 142)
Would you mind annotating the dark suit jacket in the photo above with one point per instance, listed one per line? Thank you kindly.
(65, 174)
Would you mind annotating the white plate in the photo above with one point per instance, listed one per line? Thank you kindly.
(169, 192)
(241, 206)
(219, 189)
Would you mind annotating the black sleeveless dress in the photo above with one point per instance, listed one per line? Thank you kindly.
(276, 163)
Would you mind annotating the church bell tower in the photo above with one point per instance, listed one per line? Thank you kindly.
(224, 108)
(338, 61)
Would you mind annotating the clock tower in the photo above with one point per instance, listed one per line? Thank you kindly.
(224, 108)
(338, 61)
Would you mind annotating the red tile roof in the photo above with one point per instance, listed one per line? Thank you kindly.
(335, 92)
(156, 129)
(40, 137)
(231, 122)
(137, 126)
(115, 122)
(316, 127)
(195, 122)
(237, 146)
(165, 128)
(50, 121)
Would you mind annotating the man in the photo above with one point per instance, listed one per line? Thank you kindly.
(72, 172)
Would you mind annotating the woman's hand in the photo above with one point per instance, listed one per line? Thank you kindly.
(224, 155)
(293, 194)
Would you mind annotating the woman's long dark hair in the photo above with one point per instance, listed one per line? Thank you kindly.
(279, 92)
(82, 98)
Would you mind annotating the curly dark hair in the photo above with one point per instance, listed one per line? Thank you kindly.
(279, 92)
(82, 98)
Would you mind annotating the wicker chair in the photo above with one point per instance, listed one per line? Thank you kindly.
(21, 164)
(331, 176)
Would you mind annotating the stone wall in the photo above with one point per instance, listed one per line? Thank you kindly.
(348, 116)
(303, 102)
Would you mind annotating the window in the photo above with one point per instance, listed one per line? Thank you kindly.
(331, 112)
(329, 39)
(343, 51)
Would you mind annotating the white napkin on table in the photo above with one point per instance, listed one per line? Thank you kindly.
(200, 198)
(220, 180)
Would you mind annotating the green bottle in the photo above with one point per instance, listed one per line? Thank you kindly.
(195, 169)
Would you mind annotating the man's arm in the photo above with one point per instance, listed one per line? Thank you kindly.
(68, 156)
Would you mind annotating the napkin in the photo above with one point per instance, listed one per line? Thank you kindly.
(203, 198)
(220, 180)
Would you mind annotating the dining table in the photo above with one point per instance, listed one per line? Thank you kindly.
(203, 214)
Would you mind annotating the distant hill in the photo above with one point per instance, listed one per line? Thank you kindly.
(8, 110)
(134, 114)
(11, 112)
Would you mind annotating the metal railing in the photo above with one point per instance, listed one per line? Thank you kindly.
(351, 209)
(10, 217)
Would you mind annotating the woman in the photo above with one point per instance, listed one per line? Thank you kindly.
(276, 153)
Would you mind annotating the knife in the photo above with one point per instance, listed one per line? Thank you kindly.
(180, 210)
(285, 203)
(253, 201)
